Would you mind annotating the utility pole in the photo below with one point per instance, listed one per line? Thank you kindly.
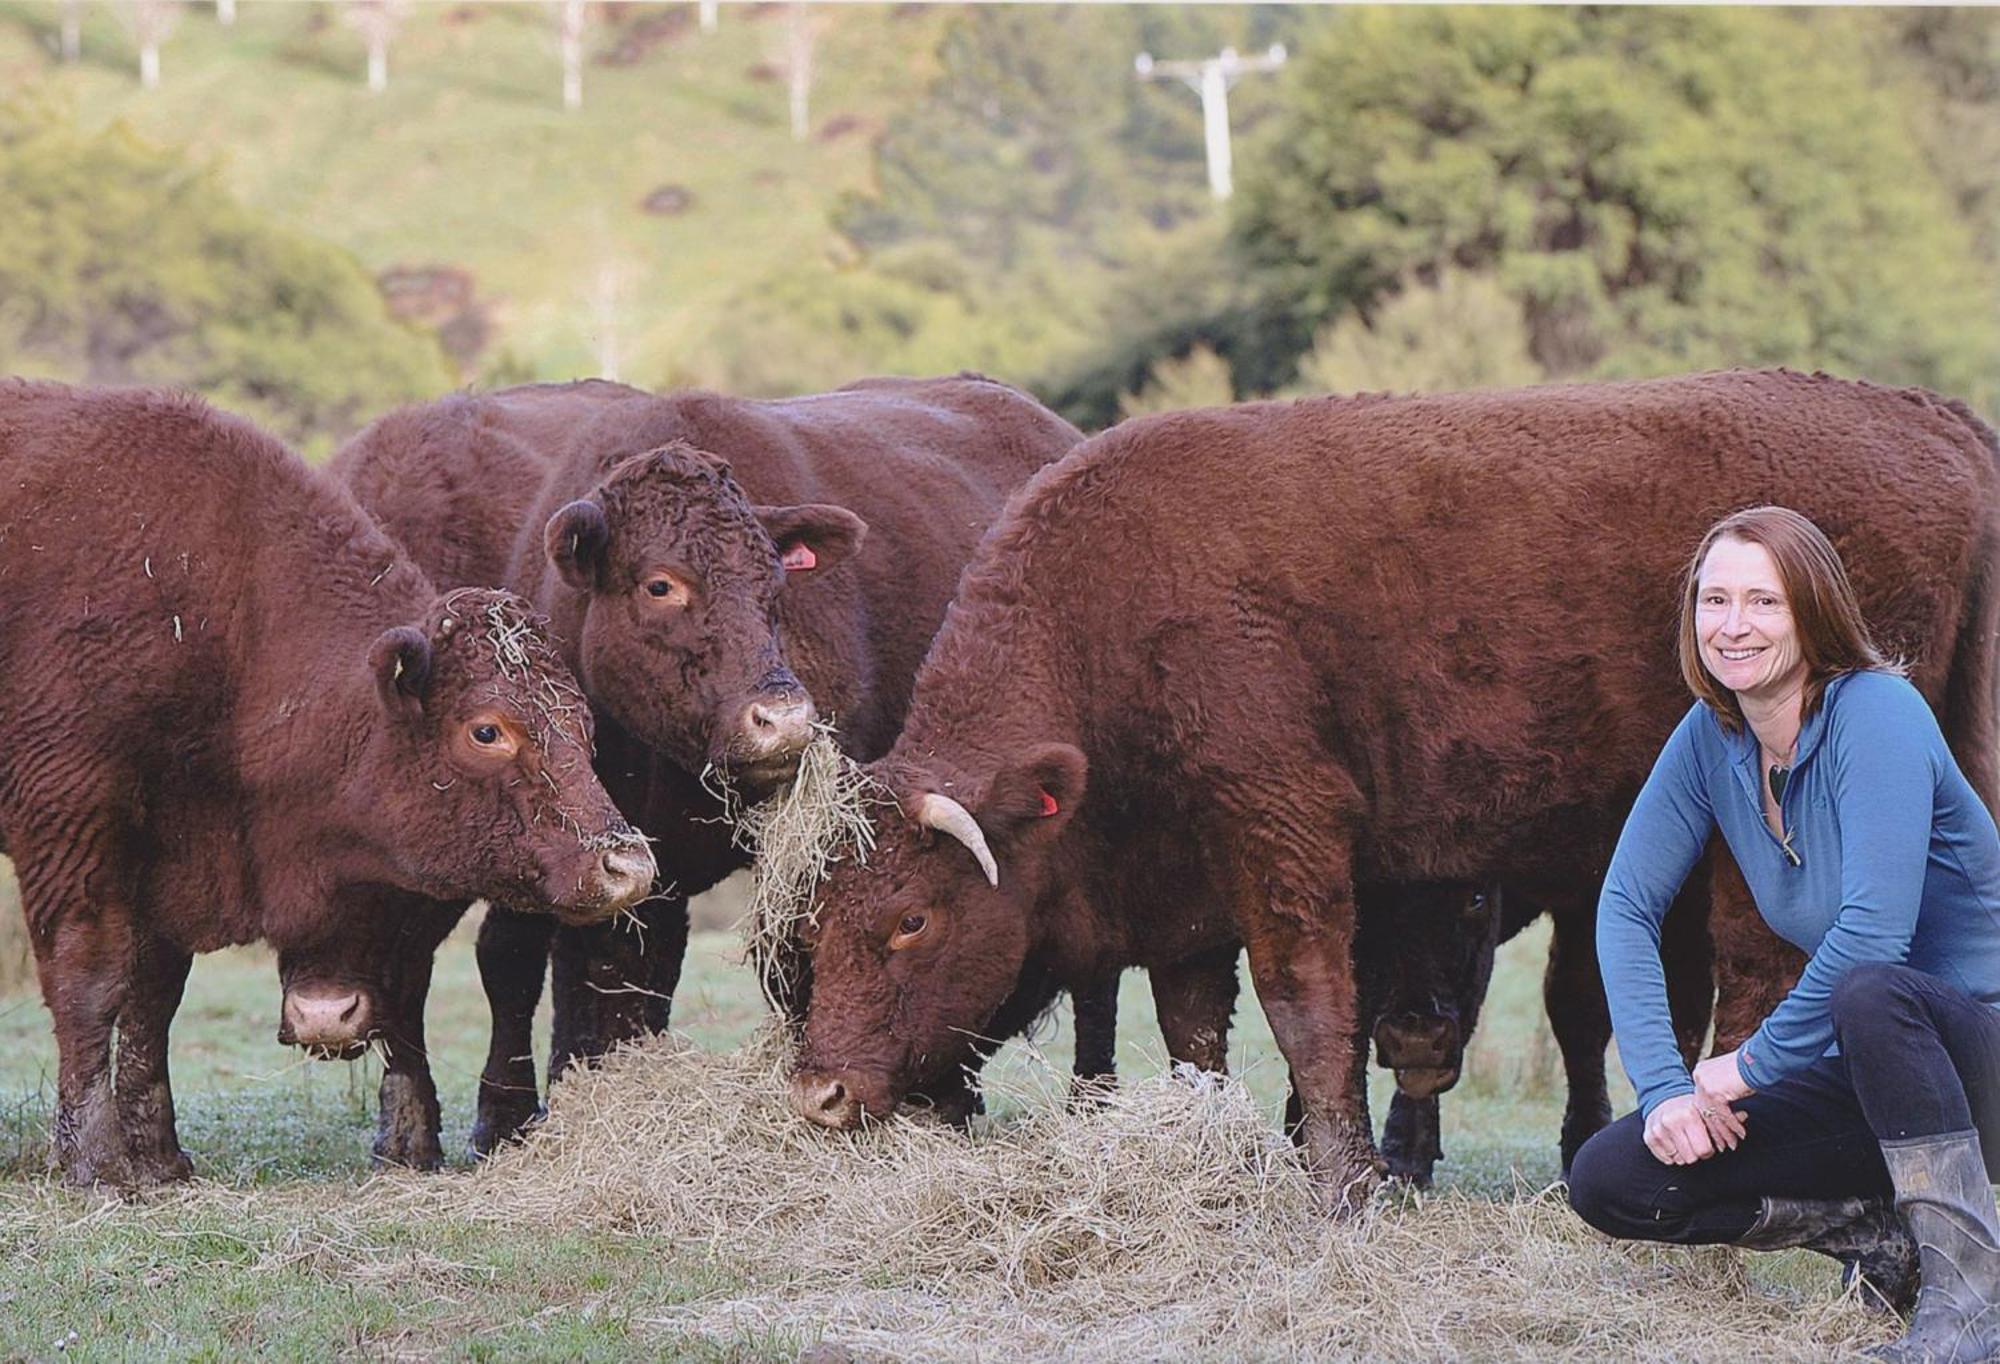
(1211, 79)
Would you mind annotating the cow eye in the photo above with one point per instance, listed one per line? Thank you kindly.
(486, 734)
(912, 924)
(659, 587)
(908, 930)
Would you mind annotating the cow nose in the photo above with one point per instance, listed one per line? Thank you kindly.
(1417, 1040)
(326, 1019)
(778, 727)
(824, 1100)
(627, 874)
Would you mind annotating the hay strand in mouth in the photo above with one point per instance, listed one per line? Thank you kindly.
(796, 835)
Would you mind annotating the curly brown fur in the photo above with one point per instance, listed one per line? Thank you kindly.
(1215, 668)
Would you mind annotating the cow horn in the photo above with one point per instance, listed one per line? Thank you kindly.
(947, 816)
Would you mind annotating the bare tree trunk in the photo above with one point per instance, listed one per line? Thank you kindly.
(801, 33)
(151, 21)
(377, 22)
(571, 18)
(707, 10)
(225, 12)
(72, 30)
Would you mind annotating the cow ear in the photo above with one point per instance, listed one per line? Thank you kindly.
(1036, 796)
(578, 541)
(812, 537)
(401, 661)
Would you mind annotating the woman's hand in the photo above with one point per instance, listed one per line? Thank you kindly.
(1677, 1133)
(1718, 1084)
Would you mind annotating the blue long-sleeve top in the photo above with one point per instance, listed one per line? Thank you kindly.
(1898, 861)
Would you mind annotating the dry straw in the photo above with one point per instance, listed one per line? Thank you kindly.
(796, 835)
(1171, 1222)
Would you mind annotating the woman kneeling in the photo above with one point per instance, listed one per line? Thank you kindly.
(1853, 1116)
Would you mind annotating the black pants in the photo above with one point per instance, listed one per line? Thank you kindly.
(1918, 1058)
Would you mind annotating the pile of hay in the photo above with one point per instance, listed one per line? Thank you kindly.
(822, 816)
(1171, 1222)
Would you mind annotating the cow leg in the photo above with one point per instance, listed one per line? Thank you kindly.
(145, 1098)
(1095, 1070)
(80, 922)
(1754, 968)
(1295, 907)
(1573, 995)
(602, 978)
(408, 1121)
(666, 923)
(1686, 960)
(1412, 1142)
(513, 953)
(1195, 1000)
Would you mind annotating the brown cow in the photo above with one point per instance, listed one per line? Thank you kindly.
(1253, 657)
(691, 551)
(232, 709)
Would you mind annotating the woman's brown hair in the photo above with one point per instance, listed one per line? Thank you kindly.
(1833, 637)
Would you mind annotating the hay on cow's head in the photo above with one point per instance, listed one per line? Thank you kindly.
(795, 835)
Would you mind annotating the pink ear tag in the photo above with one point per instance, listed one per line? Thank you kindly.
(1049, 806)
(799, 559)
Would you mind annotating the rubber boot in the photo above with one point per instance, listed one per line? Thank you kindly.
(1943, 1193)
(1864, 1234)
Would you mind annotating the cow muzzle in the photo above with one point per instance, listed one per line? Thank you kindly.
(769, 735)
(332, 1023)
(622, 876)
(1425, 1051)
(835, 1099)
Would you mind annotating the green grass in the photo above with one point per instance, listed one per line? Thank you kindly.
(469, 159)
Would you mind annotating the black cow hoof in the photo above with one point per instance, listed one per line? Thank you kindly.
(419, 1153)
(498, 1126)
(167, 1167)
(1416, 1174)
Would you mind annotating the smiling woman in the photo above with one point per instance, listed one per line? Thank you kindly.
(1865, 1095)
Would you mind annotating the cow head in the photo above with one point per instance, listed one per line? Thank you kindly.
(341, 981)
(1424, 957)
(678, 639)
(916, 949)
(476, 781)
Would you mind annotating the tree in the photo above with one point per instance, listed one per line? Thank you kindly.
(376, 21)
(70, 28)
(1658, 189)
(571, 15)
(151, 21)
(128, 264)
(1038, 139)
(1463, 331)
(796, 54)
(1198, 379)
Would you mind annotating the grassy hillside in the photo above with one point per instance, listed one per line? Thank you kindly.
(468, 160)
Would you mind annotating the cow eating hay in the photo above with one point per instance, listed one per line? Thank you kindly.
(795, 836)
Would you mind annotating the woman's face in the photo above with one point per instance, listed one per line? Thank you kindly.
(1744, 622)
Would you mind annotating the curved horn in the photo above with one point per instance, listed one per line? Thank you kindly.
(947, 816)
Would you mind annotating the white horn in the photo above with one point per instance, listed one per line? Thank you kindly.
(947, 816)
